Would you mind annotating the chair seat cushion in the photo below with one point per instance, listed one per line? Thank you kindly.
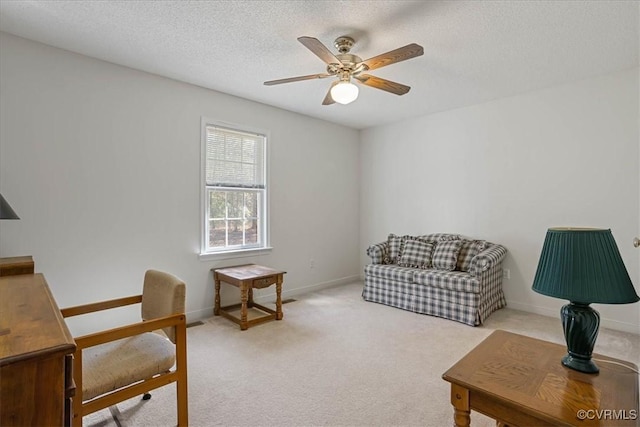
(110, 366)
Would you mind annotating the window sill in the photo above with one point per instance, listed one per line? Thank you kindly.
(242, 253)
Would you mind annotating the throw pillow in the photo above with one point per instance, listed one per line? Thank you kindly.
(445, 256)
(416, 253)
(468, 250)
(395, 242)
(439, 237)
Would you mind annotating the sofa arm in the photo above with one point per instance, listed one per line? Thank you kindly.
(378, 252)
(487, 259)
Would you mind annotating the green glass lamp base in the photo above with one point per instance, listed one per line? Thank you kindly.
(582, 365)
(580, 323)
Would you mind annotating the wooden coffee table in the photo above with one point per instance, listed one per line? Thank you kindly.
(519, 381)
(248, 277)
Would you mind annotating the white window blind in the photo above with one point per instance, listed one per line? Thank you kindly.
(234, 159)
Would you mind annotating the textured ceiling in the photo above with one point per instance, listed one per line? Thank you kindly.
(474, 51)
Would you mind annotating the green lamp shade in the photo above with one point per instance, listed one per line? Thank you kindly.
(583, 265)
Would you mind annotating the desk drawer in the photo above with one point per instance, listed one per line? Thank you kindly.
(264, 282)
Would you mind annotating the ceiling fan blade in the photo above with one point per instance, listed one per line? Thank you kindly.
(328, 100)
(384, 84)
(321, 51)
(296, 79)
(401, 54)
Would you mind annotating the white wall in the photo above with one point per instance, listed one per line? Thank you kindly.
(507, 170)
(102, 163)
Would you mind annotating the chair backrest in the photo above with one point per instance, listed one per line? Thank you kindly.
(162, 295)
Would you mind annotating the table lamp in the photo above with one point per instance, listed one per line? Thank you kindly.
(5, 210)
(584, 266)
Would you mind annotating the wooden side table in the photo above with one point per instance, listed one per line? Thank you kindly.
(519, 381)
(246, 278)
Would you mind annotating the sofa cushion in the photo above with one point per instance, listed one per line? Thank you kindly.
(451, 280)
(415, 253)
(389, 271)
(393, 249)
(445, 255)
(468, 250)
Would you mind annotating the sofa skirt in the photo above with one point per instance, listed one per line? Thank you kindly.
(465, 307)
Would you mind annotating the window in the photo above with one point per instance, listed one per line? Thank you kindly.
(235, 189)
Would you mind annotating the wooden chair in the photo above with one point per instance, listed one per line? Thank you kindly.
(118, 364)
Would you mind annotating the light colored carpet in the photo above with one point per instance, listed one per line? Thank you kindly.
(335, 360)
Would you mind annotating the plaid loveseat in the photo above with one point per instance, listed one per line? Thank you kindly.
(444, 275)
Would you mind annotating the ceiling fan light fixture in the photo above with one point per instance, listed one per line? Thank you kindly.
(344, 92)
(345, 65)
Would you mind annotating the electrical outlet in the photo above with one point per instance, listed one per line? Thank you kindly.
(312, 263)
(506, 273)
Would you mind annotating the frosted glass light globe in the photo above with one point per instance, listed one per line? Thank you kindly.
(344, 92)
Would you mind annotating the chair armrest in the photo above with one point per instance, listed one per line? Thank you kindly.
(487, 259)
(378, 252)
(97, 338)
(99, 306)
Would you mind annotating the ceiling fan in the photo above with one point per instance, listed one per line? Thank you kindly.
(346, 66)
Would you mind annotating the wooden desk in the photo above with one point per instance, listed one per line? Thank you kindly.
(36, 355)
(520, 381)
(247, 277)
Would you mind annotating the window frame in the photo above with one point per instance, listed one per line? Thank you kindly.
(263, 208)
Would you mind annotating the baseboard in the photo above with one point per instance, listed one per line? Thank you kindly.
(194, 316)
(604, 322)
(545, 311)
(288, 293)
(270, 297)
